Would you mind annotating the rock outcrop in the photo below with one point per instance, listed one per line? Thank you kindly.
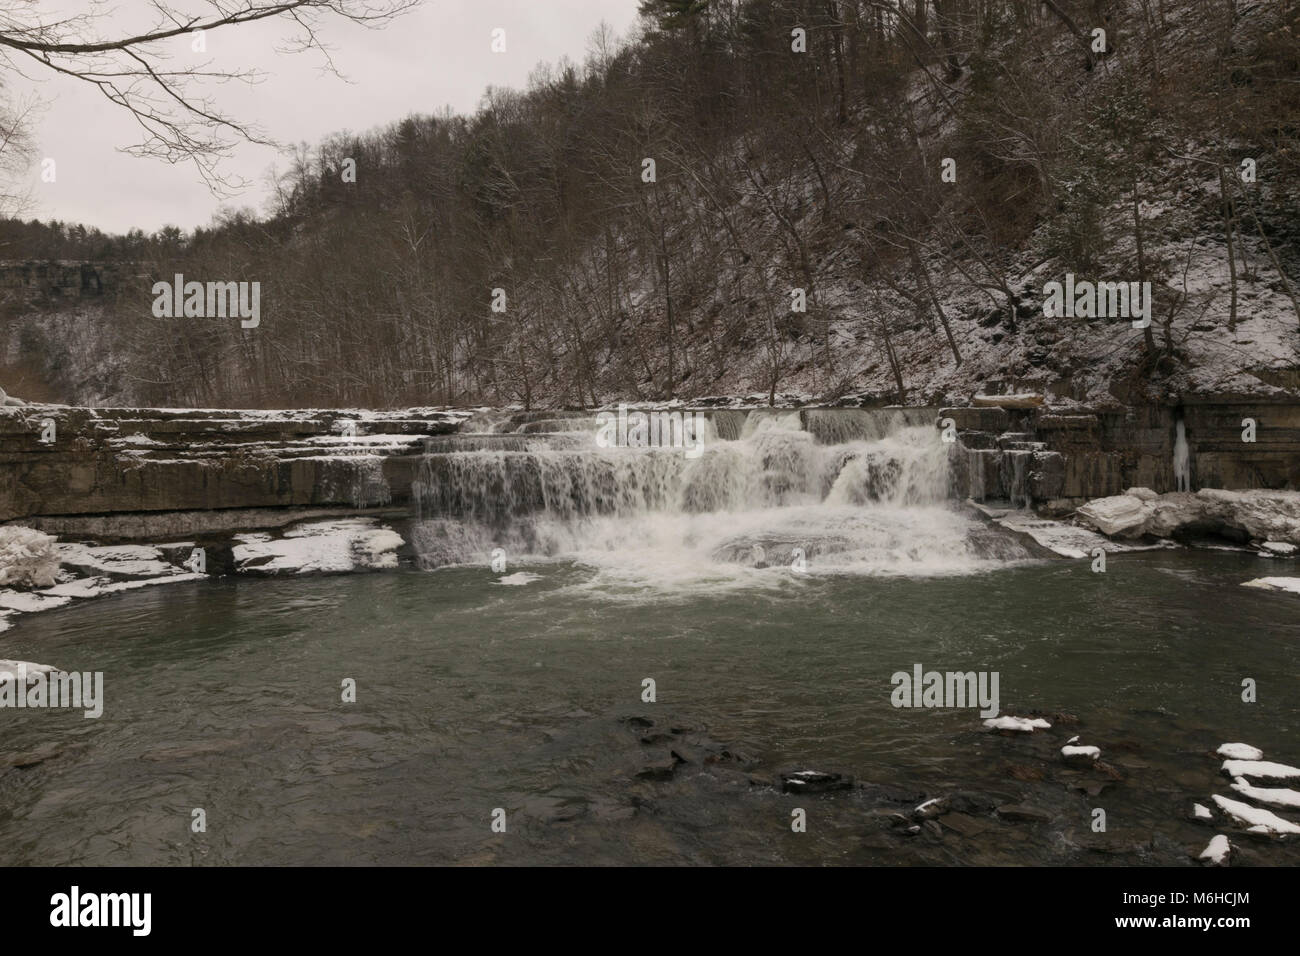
(59, 461)
(1248, 516)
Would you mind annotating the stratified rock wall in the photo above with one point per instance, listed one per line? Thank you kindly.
(64, 461)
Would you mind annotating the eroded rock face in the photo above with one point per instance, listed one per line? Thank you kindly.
(63, 461)
(1255, 515)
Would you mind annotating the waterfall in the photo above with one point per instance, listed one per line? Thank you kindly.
(847, 491)
(1182, 460)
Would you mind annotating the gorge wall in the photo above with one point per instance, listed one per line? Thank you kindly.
(126, 473)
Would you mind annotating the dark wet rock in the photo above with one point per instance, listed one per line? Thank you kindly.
(1021, 813)
(931, 809)
(884, 793)
(977, 801)
(885, 818)
(34, 757)
(933, 829)
(1111, 845)
(1131, 763)
(661, 770)
(730, 756)
(966, 825)
(1053, 717)
(681, 728)
(1109, 771)
(1019, 771)
(636, 720)
(814, 781)
(1082, 761)
(612, 812)
(1124, 746)
(658, 737)
(1092, 788)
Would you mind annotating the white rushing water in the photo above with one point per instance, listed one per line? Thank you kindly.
(859, 493)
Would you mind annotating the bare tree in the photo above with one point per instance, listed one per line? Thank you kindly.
(178, 121)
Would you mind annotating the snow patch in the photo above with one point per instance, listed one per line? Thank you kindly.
(319, 546)
(1240, 752)
(1023, 724)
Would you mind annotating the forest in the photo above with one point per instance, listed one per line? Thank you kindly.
(828, 198)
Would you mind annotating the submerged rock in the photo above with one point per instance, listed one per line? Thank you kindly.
(1020, 813)
(814, 781)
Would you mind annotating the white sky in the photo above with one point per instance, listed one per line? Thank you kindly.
(436, 55)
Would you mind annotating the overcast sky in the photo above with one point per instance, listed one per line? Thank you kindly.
(437, 55)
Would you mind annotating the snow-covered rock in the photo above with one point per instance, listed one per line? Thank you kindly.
(28, 558)
(9, 670)
(1025, 725)
(1259, 514)
(1201, 812)
(1240, 752)
(1256, 820)
(1218, 852)
(1020, 400)
(1123, 516)
(1280, 548)
(1276, 796)
(1275, 584)
(1260, 768)
(1077, 756)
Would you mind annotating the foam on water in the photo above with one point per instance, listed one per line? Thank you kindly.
(778, 505)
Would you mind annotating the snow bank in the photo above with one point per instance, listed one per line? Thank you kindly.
(126, 560)
(319, 546)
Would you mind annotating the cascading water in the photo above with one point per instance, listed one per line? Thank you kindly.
(837, 491)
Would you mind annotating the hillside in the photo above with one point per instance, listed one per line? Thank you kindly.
(1166, 155)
